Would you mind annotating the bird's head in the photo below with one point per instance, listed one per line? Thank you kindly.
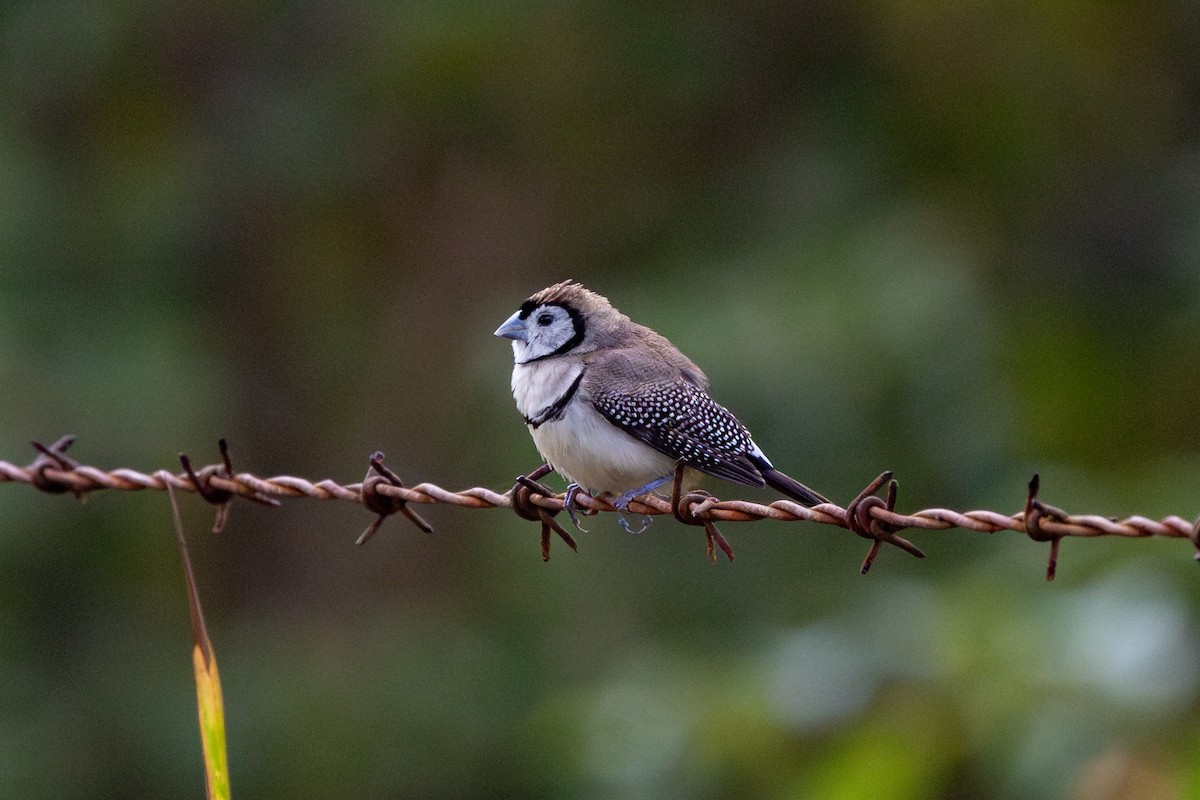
(563, 318)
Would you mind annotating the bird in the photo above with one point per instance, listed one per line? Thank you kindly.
(614, 407)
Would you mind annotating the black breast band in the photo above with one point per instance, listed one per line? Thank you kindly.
(556, 409)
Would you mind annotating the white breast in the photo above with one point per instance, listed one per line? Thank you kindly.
(582, 445)
(536, 386)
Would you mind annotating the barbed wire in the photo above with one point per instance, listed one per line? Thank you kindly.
(383, 493)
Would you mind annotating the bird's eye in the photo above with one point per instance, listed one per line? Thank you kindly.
(544, 319)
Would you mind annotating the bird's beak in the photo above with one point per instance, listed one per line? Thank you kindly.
(513, 328)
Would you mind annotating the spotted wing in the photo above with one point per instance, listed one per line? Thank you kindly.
(680, 420)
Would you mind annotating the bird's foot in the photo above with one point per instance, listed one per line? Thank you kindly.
(571, 508)
(640, 520)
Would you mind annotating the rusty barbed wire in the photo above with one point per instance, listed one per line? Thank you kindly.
(382, 492)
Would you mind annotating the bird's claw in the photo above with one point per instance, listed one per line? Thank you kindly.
(643, 521)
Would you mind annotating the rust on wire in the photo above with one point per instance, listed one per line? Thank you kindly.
(869, 516)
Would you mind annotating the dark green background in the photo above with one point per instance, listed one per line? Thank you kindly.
(957, 240)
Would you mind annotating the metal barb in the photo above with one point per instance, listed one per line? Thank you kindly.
(1035, 512)
(525, 488)
(690, 509)
(219, 496)
(535, 487)
(861, 519)
(54, 456)
(385, 505)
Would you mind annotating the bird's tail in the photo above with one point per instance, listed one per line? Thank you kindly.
(792, 487)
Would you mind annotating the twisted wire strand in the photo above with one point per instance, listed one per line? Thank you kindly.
(83, 479)
(867, 516)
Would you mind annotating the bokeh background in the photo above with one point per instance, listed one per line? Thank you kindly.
(957, 240)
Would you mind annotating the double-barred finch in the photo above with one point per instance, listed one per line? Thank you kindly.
(614, 407)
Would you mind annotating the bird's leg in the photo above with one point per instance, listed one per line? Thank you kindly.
(624, 500)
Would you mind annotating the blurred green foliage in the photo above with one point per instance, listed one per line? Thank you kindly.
(957, 240)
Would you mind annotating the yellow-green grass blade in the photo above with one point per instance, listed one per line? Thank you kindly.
(209, 702)
(212, 723)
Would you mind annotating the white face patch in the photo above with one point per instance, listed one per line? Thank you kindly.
(549, 330)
